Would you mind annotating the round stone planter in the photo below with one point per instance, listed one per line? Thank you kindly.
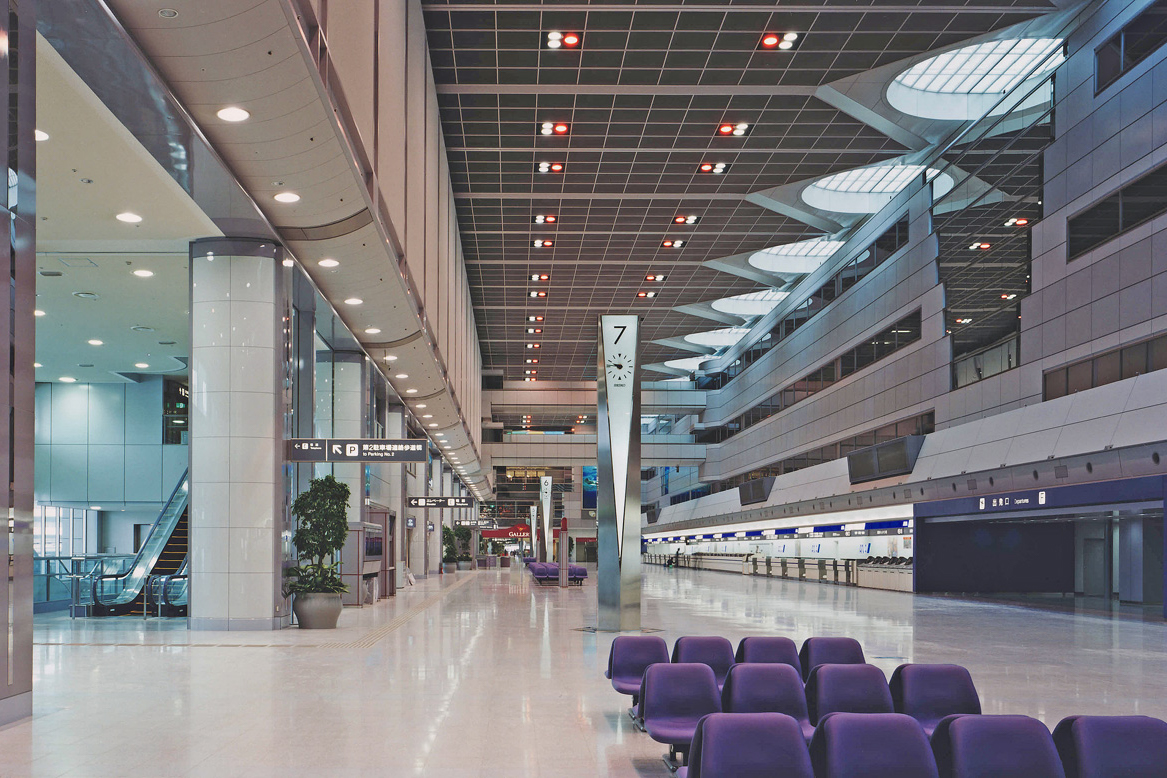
(464, 565)
(317, 610)
(449, 567)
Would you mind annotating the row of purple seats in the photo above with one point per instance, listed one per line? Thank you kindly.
(631, 654)
(893, 745)
(547, 572)
(528, 560)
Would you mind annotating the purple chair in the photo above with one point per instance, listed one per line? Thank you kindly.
(747, 745)
(576, 575)
(768, 650)
(1112, 746)
(673, 698)
(767, 688)
(847, 689)
(629, 657)
(996, 747)
(871, 745)
(717, 652)
(829, 651)
(928, 693)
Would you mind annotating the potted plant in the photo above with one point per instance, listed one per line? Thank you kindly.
(315, 582)
(462, 544)
(449, 551)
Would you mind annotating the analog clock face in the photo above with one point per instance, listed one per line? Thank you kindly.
(619, 367)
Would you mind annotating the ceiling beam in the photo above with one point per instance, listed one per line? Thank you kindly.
(626, 89)
(666, 150)
(596, 196)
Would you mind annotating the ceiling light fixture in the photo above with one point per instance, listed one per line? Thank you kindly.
(67, 379)
(389, 358)
(553, 128)
(1008, 296)
(37, 364)
(143, 273)
(532, 345)
(672, 244)
(128, 217)
(980, 246)
(328, 262)
(646, 294)
(354, 301)
(95, 342)
(541, 243)
(541, 218)
(233, 113)
(657, 278)
(734, 129)
(372, 331)
(38, 312)
(534, 318)
(40, 135)
(141, 365)
(411, 391)
(682, 219)
(287, 197)
(769, 41)
(539, 294)
(402, 375)
(534, 331)
(716, 168)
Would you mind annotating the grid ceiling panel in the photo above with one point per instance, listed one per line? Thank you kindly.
(643, 96)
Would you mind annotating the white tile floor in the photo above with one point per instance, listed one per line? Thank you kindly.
(488, 676)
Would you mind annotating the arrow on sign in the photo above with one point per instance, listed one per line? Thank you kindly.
(336, 449)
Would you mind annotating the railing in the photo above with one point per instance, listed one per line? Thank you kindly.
(124, 587)
(66, 578)
(165, 591)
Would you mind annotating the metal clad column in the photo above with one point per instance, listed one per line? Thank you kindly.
(545, 504)
(618, 460)
(534, 523)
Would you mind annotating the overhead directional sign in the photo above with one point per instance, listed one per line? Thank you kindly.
(441, 502)
(355, 450)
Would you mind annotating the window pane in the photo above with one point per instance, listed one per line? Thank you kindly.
(1146, 33)
(1055, 384)
(1108, 63)
(1093, 227)
(1080, 376)
(1144, 199)
(1134, 360)
(1158, 353)
(1107, 369)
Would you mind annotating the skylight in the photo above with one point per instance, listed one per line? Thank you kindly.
(751, 304)
(867, 189)
(718, 338)
(797, 258)
(969, 82)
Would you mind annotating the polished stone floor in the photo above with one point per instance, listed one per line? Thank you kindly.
(485, 675)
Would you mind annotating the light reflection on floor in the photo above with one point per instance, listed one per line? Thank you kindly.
(495, 678)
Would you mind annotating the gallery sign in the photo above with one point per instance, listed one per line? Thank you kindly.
(354, 450)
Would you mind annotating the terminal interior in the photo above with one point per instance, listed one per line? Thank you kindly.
(898, 274)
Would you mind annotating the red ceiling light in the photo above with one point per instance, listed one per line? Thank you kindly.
(570, 40)
(1021, 222)
(543, 218)
(541, 243)
(672, 244)
(657, 278)
(736, 130)
(643, 295)
(770, 41)
(553, 128)
(712, 167)
(550, 167)
(725, 129)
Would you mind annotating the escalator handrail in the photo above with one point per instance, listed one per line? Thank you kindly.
(139, 556)
(166, 580)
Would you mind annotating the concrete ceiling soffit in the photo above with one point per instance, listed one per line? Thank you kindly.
(706, 311)
(739, 265)
(684, 345)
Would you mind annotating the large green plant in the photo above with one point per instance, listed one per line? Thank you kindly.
(449, 545)
(321, 534)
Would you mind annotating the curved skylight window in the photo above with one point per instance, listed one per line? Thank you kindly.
(799, 258)
(688, 364)
(718, 338)
(751, 304)
(968, 83)
(867, 189)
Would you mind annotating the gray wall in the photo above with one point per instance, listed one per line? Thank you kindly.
(102, 444)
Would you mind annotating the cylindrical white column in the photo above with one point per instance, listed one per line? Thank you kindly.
(239, 312)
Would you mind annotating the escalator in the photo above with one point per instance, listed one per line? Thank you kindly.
(158, 568)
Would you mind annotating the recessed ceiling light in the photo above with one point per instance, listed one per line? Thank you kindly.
(37, 364)
(141, 365)
(532, 361)
(683, 219)
(288, 262)
(168, 13)
(372, 331)
(233, 114)
(540, 277)
(402, 376)
(981, 246)
(38, 312)
(646, 294)
(534, 331)
(389, 358)
(40, 135)
(287, 197)
(433, 424)
(95, 342)
(738, 129)
(128, 217)
(534, 318)
(657, 278)
(67, 380)
(541, 243)
(786, 45)
(328, 262)
(672, 244)
(140, 273)
(539, 294)
(427, 416)
(411, 391)
(712, 167)
(543, 218)
(550, 167)
(1008, 296)
(354, 301)
(532, 345)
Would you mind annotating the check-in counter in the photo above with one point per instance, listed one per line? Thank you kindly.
(896, 578)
